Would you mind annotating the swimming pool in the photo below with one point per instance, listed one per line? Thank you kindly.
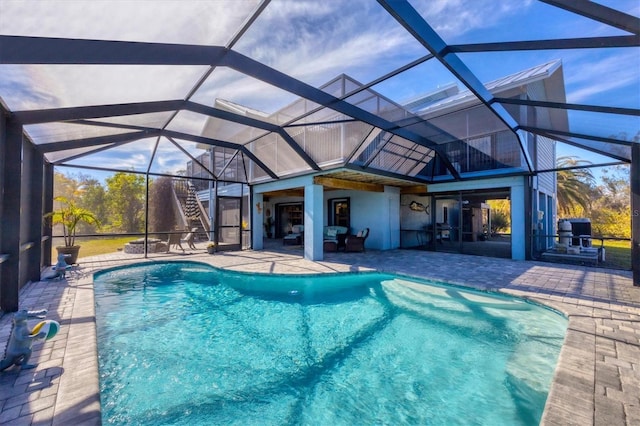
(185, 343)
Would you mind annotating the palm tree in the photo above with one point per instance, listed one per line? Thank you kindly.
(574, 185)
(69, 215)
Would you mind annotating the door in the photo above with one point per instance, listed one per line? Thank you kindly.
(229, 229)
(446, 230)
(287, 216)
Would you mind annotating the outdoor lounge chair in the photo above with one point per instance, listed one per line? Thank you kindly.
(356, 242)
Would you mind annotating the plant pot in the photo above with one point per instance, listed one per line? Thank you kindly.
(211, 250)
(72, 251)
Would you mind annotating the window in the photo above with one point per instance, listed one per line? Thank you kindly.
(339, 214)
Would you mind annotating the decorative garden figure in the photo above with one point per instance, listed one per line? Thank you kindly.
(18, 349)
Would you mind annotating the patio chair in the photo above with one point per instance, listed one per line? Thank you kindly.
(174, 240)
(295, 237)
(333, 237)
(356, 242)
(189, 239)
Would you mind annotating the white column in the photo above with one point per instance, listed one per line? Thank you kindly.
(313, 214)
(258, 222)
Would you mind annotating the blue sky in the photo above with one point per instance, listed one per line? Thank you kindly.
(312, 41)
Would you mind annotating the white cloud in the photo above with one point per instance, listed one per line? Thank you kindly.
(590, 73)
(454, 17)
(316, 43)
(167, 21)
(135, 161)
(53, 86)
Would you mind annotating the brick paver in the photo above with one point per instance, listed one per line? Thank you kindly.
(597, 379)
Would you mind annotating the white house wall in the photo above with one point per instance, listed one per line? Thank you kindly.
(415, 221)
(283, 184)
(546, 161)
(378, 211)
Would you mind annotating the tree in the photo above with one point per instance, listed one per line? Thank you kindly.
(69, 216)
(500, 216)
(125, 200)
(611, 216)
(608, 222)
(94, 198)
(615, 188)
(161, 210)
(69, 187)
(575, 187)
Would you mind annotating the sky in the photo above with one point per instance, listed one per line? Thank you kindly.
(312, 41)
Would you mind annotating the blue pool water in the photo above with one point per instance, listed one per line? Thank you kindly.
(185, 343)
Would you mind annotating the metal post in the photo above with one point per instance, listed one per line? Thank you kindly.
(11, 149)
(47, 206)
(528, 218)
(634, 173)
(146, 216)
(212, 199)
(32, 211)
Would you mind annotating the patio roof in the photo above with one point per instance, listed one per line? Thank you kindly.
(302, 87)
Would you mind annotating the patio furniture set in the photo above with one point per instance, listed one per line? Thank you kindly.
(334, 238)
(156, 245)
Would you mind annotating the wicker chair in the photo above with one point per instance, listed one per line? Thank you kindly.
(356, 242)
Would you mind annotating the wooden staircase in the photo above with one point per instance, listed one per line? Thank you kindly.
(187, 218)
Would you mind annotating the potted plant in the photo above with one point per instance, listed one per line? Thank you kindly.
(69, 215)
(211, 247)
(268, 224)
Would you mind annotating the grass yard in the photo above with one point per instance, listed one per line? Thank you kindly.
(617, 254)
(103, 245)
(95, 246)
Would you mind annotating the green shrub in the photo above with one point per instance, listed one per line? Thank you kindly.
(607, 222)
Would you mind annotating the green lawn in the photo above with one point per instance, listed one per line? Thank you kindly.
(617, 254)
(95, 246)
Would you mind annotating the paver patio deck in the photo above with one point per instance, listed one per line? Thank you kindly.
(597, 379)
